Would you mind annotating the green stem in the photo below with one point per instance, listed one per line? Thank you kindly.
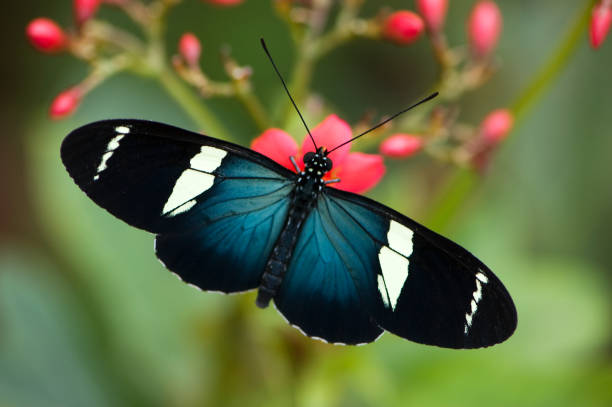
(304, 65)
(156, 61)
(461, 185)
(556, 63)
(450, 198)
(300, 79)
(192, 105)
(254, 107)
(344, 28)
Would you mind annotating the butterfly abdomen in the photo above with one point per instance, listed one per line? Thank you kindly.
(303, 199)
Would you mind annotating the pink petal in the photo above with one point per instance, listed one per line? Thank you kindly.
(496, 126)
(484, 27)
(360, 172)
(330, 133)
(600, 24)
(403, 27)
(401, 145)
(278, 145)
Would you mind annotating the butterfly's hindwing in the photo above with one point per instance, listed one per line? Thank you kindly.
(320, 293)
(230, 237)
(428, 289)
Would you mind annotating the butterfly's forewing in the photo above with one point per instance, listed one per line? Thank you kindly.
(427, 288)
(217, 208)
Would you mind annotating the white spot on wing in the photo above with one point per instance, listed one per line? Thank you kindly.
(192, 181)
(476, 297)
(394, 263)
(400, 238)
(208, 159)
(112, 145)
(183, 208)
(382, 289)
(189, 185)
(482, 277)
(394, 272)
(105, 158)
(122, 129)
(478, 293)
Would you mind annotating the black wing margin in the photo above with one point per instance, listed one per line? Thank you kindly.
(428, 289)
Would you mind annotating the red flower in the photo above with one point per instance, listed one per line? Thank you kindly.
(484, 27)
(46, 35)
(433, 12)
(401, 145)
(85, 9)
(358, 172)
(190, 49)
(600, 24)
(493, 129)
(403, 27)
(496, 126)
(65, 103)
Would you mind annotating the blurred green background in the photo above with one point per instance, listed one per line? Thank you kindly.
(88, 316)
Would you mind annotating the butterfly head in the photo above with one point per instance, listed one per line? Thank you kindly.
(318, 162)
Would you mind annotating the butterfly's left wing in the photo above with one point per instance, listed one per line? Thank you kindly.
(360, 266)
(217, 208)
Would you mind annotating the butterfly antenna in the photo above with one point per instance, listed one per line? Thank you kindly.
(263, 44)
(433, 95)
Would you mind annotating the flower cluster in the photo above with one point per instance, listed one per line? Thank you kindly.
(88, 39)
(436, 132)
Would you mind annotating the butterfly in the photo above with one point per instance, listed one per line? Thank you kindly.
(339, 266)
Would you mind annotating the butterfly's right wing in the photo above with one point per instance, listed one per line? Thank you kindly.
(360, 267)
(420, 285)
(216, 207)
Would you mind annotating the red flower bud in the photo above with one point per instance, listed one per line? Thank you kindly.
(403, 27)
(85, 9)
(224, 2)
(496, 126)
(46, 35)
(190, 48)
(600, 24)
(401, 145)
(433, 12)
(65, 103)
(484, 27)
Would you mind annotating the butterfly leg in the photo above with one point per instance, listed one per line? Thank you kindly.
(297, 168)
(332, 181)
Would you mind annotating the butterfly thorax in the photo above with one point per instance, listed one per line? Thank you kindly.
(309, 184)
(310, 181)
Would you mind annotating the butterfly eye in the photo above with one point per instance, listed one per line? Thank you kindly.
(308, 156)
(328, 164)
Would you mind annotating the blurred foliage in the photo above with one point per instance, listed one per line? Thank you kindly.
(88, 317)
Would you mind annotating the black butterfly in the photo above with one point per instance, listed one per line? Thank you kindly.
(339, 266)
